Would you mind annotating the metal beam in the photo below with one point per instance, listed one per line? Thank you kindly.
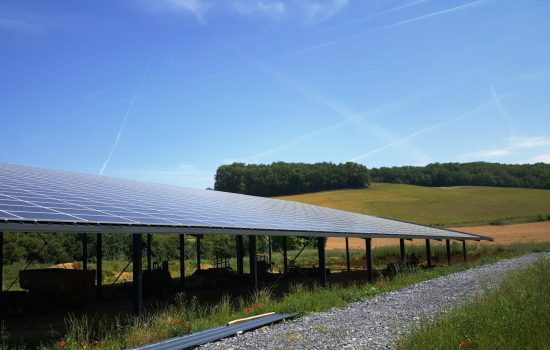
(182, 260)
(84, 251)
(99, 264)
(26, 226)
(348, 265)
(464, 250)
(253, 265)
(137, 283)
(368, 246)
(240, 254)
(402, 250)
(448, 246)
(149, 251)
(198, 248)
(285, 257)
(322, 264)
(428, 254)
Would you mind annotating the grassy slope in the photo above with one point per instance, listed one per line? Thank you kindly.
(516, 315)
(447, 206)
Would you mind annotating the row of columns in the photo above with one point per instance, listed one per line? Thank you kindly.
(137, 244)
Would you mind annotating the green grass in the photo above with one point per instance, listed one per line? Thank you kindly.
(516, 315)
(187, 315)
(441, 206)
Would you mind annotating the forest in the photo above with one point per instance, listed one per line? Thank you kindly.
(467, 174)
(280, 178)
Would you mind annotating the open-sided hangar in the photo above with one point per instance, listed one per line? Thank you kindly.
(41, 200)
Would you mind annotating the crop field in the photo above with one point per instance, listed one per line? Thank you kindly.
(439, 206)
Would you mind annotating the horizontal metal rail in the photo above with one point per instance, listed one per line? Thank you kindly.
(214, 334)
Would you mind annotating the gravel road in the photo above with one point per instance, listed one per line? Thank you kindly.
(379, 322)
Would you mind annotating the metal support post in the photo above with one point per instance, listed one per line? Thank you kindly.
(428, 254)
(402, 250)
(322, 264)
(198, 246)
(285, 257)
(448, 246)
(137, 283)
(464, 249)
(240, 254)
(182, 260)
(368, 244)
(1, 261)
(348, 265)
(270, 252)
(253, 265)
(149, 251)
(99, 264)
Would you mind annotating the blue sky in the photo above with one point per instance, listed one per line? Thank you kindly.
(168, 90)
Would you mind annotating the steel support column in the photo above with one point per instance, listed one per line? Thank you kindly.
(368, 245)
(253, 265)
(198, 247)
(402, 250)
(1, 261)
(348, 265)
(240, 254)
(99, 264)
(448, 246)
(149, 252)
(182, 260)
(270, 252)
(428, 254)
(322, 264)
(85, 251)
(464, 250)
(137, 283)
(285, 257)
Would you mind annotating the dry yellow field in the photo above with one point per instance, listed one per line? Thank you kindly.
(535, 232)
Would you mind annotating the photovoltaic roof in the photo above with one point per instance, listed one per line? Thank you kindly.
(35, 199)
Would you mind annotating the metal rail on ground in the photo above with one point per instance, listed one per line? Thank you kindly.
(214, 334)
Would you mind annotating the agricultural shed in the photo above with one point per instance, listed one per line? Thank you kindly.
(42, 200)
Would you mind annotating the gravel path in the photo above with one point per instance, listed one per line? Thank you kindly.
(379, 322)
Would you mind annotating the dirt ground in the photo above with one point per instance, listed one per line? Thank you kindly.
(535, 232)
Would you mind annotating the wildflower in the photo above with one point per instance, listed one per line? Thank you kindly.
(62, 343)
(186, 326)
(177, 322)
(82, 343)
(463, 343)
(247, 309)
(474, 341)
(95, 342)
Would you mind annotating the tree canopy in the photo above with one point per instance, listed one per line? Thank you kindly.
(463, 174)
(282, 178)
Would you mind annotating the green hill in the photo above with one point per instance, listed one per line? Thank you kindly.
(442, 206)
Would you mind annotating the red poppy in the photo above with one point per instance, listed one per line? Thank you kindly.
(176, 322)
(95, 342)
(463, 343)
(186, 326)
(62, 343)
(474, 341)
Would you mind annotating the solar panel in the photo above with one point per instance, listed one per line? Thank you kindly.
(42, 196)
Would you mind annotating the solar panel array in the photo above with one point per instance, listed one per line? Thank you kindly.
(29, 194)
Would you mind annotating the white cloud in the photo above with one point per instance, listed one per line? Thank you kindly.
(195, 7)
(516, 144)
(272, 9)
(317, 11)
(541, 158)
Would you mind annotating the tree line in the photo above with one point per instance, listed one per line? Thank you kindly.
(467, 174)
(280, 178)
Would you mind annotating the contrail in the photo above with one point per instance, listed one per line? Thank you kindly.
(126, 113)
(421, 131)
(388, 26)
(503, 113)
(378, 14)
